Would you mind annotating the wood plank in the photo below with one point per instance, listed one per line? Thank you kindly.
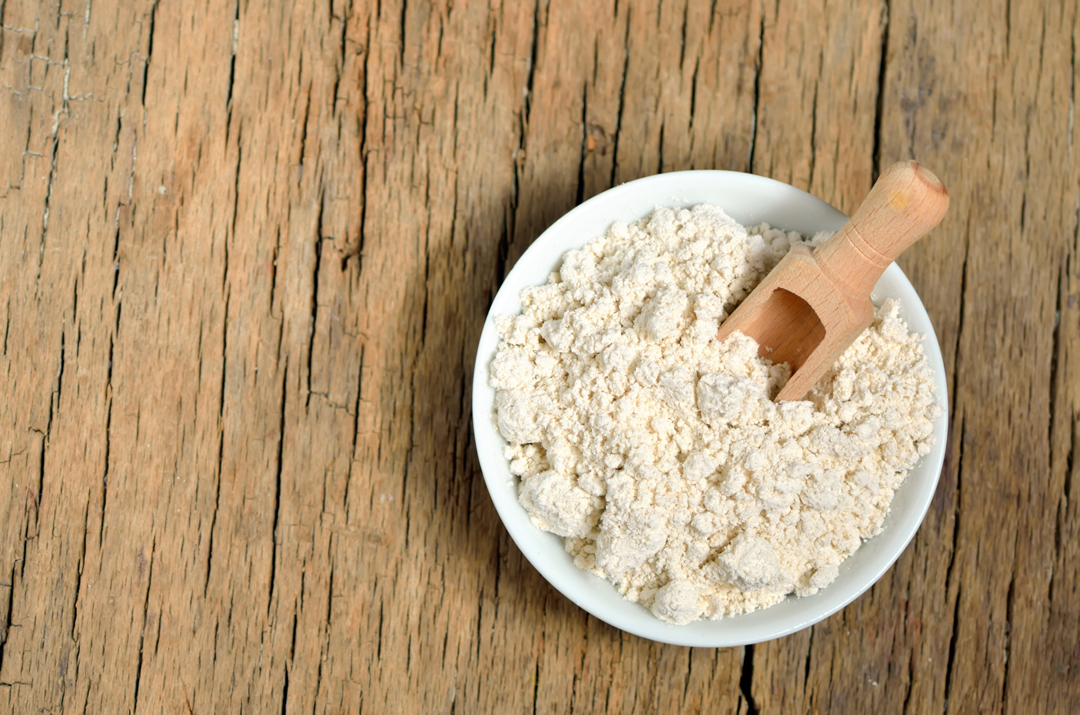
(995, 115)
(67, 197)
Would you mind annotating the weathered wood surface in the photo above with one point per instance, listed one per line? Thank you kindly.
(246, 250)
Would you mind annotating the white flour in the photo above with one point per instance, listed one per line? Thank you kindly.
(657, 452)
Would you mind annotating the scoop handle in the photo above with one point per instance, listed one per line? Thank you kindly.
(905, 204)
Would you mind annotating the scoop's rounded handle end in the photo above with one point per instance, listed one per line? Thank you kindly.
(926, 176)
(905, 204)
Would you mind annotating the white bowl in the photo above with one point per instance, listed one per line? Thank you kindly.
(750, 200)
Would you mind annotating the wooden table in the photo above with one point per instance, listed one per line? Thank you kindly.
(246, 253)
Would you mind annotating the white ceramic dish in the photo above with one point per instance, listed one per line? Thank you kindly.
(750, 200)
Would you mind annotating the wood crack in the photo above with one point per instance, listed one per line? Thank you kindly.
(314, 321)
(79, 575)
(275, 536)
(758, 68)
(879, 104)
(7, 625)
(220, 462)
(1009, 602)
(621, 102)
(746, 681)
(142, 631)
(149, 47)
(232, 62)
(579, 195)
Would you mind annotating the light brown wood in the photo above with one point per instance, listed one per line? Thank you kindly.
(246, 250)
(906, 203)
(815, 303)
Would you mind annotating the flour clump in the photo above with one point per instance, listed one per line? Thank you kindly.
(657, 452)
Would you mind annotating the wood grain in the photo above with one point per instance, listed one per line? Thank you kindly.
(246, 250)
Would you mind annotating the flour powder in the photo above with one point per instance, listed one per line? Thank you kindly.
(656, 451)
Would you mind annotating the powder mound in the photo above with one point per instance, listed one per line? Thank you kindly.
(658, 453)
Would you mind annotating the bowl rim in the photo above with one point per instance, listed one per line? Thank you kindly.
(536, 545)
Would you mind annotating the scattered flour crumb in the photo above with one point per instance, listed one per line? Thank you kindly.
(657, 452)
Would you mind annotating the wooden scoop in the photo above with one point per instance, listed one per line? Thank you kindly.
(814, 304)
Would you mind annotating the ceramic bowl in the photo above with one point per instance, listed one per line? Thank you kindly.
(750, 200)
